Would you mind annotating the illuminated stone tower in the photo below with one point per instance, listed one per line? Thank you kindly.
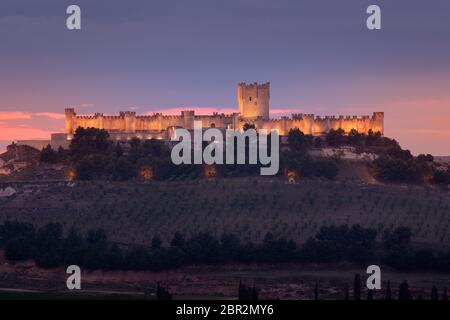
(253, 100)
(70, 121)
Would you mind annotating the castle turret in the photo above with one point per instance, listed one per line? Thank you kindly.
(188, 119)
(130, 121)
(70, 115)
(253, 100)
(378, 122)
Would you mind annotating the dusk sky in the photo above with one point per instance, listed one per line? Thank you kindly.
(156, 55)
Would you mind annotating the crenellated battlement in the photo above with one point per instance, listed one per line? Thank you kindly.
(253, 107)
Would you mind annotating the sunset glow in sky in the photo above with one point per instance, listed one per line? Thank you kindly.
(171, 55)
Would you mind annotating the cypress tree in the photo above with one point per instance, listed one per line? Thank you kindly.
(255, 293)
(247, 293)
(403, 293)
(434, 293)
(357, 287)
(346, 292)
(241, 291)
(388, 291)
(316, 291)
(162, 293)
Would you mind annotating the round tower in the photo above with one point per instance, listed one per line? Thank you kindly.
(253, 100)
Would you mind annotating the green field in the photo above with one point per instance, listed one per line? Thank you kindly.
(133, 213)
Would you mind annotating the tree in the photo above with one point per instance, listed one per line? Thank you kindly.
(298, 141)
(399, 238)
(96, 236)
(316, 291)
(178, 240)
(156, 243)
(114, 257)
(425, 157)
(123, 169)
(134, 152)
(318, 142)
(63, 154)
(326, 168)
(18, 239)
(441, 177)
(403, 293)
(48, 155)
(388, 291)
(88, 141)
(357, 287)
(369, 294)
(434, 293)
(444, 295)
(255, 293)
(162, 293)
(247, 293)
(346, 292)
(336, 138)
(153, 148)
(73, 248)
(118, 150)
(138, 258)
(204, 248)
(355, 138)
(48, 246)
(231, 246)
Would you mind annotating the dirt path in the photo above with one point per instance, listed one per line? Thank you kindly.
(286, 281)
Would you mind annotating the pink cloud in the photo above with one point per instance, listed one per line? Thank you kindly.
(18, 115)
(23, 133)
(51, 115)
(17, 125)
(14, 115)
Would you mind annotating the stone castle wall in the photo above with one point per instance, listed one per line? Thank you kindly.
(253, 107)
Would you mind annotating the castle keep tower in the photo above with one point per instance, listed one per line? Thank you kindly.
(70, 121)
(253, 100)
(253, 107)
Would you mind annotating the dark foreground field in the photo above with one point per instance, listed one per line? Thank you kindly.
(132, 213)
(283, 281)
(274, 282)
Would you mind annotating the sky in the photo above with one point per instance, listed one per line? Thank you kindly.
(168, 55)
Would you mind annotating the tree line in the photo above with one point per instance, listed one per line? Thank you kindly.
(49, 248)
(94, 156)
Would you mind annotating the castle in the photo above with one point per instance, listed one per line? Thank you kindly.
(253, 107)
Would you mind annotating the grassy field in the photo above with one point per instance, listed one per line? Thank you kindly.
(134, 213)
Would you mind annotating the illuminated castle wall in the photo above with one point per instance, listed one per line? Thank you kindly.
(253, 107)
